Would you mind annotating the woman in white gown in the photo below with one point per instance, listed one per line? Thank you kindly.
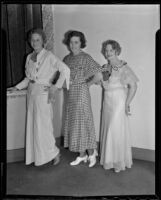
(119, 83)
(41, 67)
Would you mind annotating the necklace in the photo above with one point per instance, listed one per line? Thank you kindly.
(117, 67)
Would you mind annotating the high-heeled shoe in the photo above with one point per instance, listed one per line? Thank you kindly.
(56, 160)
(117, 170)
(92, 159)
(79, 160)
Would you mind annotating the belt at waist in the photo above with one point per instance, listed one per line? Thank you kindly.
(32, 81)
(35, 82)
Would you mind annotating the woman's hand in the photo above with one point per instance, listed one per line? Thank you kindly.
(89, 84)
(95, 79)
(132, 87)
(105, 75)
(12, 89)
(127, 109)
(52, 93)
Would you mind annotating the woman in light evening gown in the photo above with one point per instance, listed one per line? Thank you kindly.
(119, 83)
(41, 67)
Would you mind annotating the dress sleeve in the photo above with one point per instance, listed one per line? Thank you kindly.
(24, 83)
(128, 76)
(91, 67)
(64, 72)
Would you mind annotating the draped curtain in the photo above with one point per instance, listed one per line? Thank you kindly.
(17, 20)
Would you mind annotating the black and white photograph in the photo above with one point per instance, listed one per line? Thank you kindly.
(80, 99)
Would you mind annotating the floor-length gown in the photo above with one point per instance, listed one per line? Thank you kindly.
(40, 141)
(79, 130)
(115, 140)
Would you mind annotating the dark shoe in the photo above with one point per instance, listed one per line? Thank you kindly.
(56, 160)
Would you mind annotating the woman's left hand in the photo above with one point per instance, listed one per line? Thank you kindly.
(52, 93)
(127, 109)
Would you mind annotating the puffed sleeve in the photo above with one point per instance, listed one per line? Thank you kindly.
(128, 76)
(64, 72)
(91, 67)
(24, 83)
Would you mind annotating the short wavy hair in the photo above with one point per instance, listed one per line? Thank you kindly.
(38, 31)
(71, 34)
(115, 45)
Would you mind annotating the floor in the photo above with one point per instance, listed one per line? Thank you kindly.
(66, 180)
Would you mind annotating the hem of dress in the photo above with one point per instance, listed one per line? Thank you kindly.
(73, 150)
(122, 169)
(44, 162)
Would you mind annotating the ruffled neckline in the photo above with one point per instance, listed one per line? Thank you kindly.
(116, 67)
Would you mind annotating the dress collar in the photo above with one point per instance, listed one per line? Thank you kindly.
(41, 53)
(117, 67)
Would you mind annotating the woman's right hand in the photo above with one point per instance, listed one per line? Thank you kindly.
(12, 89)
(52, 93)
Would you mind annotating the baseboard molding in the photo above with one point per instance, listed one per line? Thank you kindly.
(17, 155)
(143, 154)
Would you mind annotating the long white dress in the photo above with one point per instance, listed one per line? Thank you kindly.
(115, 141)
(40, 141)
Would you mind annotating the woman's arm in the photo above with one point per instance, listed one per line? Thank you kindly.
(97, 78)
(64, 74)
(23, 84)
(63, 69)
(63, 77)
(132, 87)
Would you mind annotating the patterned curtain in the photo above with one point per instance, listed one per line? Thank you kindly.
(17, 20)
(48, 26)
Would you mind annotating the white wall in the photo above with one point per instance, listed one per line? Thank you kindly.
(134, 27)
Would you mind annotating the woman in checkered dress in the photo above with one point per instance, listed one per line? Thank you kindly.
(79, 131)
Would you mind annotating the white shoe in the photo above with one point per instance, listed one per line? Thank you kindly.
(92, 160)
(79, 159)
(117, 170)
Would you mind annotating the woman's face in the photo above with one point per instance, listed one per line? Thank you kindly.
(36, 41)
(110, 53)
(75, 44)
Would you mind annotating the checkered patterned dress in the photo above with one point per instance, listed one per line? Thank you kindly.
(79, 131)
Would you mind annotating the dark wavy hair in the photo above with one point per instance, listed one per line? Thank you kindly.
(115, 45)
(70, 34)
(38, 31)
